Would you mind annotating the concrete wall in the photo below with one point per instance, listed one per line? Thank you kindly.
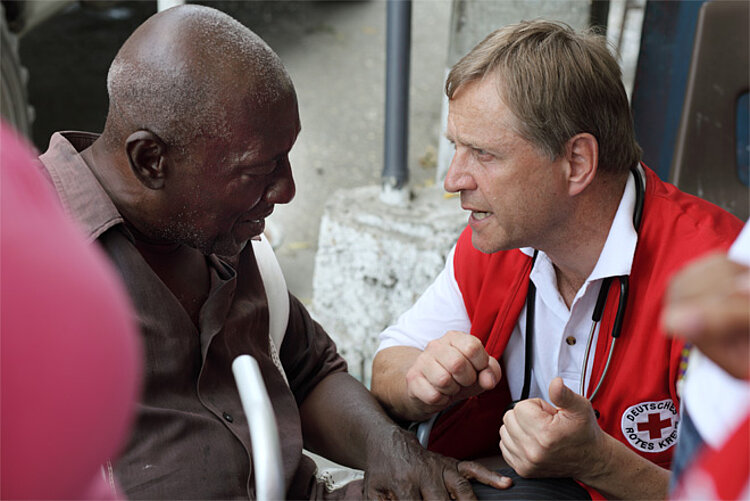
(374, 260)
(472, 20)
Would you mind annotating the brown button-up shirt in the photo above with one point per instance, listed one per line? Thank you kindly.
(191, 438)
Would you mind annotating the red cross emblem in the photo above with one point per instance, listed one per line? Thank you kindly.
(654, 426)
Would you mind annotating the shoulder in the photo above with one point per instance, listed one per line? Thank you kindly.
(678, 228)
(683, 225)
(685, 216)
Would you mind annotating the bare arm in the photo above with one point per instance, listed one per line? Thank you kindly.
(342, 421)
(389, 383)
(540, 440)
(626, 475)
(413, 384)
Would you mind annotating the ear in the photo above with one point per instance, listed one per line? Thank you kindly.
(145, 152)
(582, 154)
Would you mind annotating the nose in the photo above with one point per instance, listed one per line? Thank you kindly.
(458, 178)
(282, 189)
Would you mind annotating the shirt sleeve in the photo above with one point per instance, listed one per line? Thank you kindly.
(440, 309)
(307, 353)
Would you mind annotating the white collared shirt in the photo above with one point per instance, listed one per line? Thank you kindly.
(441, 308)
(554, 323)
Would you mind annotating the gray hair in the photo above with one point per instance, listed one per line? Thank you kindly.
(173, 82)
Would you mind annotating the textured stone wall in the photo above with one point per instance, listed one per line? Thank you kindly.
(374, 260)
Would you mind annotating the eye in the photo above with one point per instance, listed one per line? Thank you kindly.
(264, 169)
(482, 155)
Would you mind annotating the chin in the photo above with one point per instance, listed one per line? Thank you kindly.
(228, 249)
(490, 246)
(483, 245)
(485, 249)
(219, 246)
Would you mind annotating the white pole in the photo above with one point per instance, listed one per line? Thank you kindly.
(166, 4)
(267, 465)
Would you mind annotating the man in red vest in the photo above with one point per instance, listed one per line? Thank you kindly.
(558, 278)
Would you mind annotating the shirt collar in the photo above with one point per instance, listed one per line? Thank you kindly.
(617, 254)
(81, 194)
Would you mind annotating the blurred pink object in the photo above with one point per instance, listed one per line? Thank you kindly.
(69, 351)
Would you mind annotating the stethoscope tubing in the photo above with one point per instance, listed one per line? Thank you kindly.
(598, 308)
(586, 359)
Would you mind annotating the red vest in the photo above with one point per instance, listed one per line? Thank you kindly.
(676, 228)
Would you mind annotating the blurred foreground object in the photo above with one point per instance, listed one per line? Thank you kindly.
(69, 352)
(708, 304)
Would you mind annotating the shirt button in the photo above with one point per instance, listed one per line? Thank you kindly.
(228, 417)
(570, 340)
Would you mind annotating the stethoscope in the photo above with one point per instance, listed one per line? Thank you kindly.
(596, 316)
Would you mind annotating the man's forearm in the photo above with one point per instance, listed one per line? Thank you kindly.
(389, 383)
(625, 475)
(341, 419)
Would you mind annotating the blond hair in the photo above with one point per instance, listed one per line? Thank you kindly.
(558, 83)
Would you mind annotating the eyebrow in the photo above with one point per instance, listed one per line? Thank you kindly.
(249, 162)
(470, 144)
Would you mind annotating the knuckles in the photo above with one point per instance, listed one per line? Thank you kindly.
(444, 381)
(434, 346)
(535, 456)
(455, 365)
(474, 348)
(546, 442)
(412, 375)
(433, 398)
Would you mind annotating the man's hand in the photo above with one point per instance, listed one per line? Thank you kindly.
(402, 469)
(708, 303)
(539, 440)
(451, 368)
(343, 422)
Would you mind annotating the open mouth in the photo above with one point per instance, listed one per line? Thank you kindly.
(478, 215)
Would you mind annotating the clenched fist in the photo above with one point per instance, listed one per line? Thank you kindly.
(451, 368)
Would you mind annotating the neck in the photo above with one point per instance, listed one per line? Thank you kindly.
(576, 253)
(148, 245)
(103, 166)
(117, 180)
